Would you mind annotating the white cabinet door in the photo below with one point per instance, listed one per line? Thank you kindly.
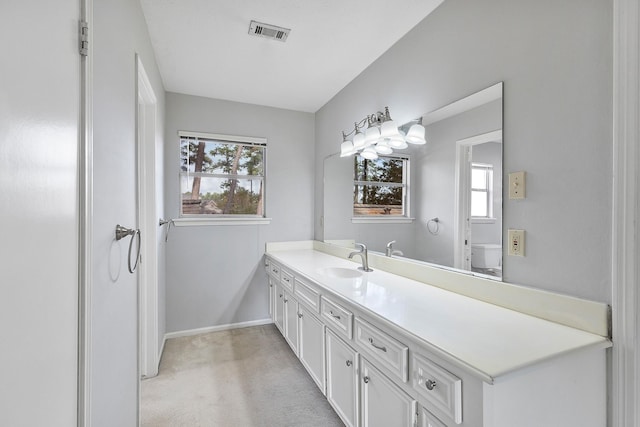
(291, 320)
(383, 403)
(311, 345)
(272, 294)
(278, 307)
(342, 379)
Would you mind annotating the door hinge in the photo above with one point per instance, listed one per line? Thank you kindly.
(83, 38)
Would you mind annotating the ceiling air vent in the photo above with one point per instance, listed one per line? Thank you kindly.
(268, 31)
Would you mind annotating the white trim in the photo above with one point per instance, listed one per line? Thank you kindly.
(85, 224)
(222, 137)
(382, 220)
(227, 327)
(625, 277)
(161, 351)
(197, 222)
(147, 222)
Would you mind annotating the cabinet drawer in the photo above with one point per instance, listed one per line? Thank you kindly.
(337, 317)
(274, 270)
(438, 387)
(307, 294)
(384, 349)
(286, 278)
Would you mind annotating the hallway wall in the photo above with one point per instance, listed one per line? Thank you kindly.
(119, 33)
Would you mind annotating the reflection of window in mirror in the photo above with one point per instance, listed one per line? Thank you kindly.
(481, 191)
(380, 186)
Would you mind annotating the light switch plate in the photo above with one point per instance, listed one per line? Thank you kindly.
(517, 185)
(516, 242)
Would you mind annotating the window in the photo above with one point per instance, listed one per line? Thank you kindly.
(481, 190)
(380, 187)
(221, 175)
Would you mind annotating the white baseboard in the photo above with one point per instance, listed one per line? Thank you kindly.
(217, 328)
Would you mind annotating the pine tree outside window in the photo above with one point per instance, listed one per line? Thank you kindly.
(222, 175)
(380, 187)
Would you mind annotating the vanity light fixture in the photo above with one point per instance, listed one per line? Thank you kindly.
(382, 136)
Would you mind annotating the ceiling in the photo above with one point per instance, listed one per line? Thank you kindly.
(203, 47)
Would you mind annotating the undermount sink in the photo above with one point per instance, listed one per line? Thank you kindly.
(340, 272)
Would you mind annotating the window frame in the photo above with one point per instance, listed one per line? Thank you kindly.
(489, 199)
(222, 219)
(406, 193)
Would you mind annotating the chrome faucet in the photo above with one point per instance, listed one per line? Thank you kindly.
(363, 255)
(390, 251)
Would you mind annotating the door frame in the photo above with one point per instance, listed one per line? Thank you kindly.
(85, 224)
(146, 117)
(625, 250)
(462, 198)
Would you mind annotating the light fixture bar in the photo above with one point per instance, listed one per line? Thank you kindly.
(382, 136)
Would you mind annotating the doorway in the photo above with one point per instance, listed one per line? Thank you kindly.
(148, 350)
(463, 213)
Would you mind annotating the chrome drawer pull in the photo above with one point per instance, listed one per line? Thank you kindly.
(331, 313)
(382, 348)
(430, 384)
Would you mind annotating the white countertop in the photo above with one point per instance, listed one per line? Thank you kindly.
(488, 340)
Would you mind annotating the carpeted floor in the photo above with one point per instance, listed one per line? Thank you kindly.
(239, 378)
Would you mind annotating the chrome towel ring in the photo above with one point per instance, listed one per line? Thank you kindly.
(121, 233)
(433, 225)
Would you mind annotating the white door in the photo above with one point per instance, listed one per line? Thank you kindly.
(39, 150)
(311, 345)
(342, 379)
(383, 403)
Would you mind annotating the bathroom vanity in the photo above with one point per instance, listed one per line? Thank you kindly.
(388, 350)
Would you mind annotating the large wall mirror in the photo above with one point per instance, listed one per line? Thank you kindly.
(453, 193)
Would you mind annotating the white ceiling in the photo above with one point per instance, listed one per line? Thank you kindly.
(203, 47)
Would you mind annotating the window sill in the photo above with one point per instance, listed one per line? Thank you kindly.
(483, 220)
(196, 222)
(376, 220)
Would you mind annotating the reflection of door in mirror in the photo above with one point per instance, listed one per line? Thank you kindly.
(478, 233)
(466, 236)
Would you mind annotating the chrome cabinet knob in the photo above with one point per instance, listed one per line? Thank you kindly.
(430, 384)
(349, 362)
(300, 315)
(366, 380)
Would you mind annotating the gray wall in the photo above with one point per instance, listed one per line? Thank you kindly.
(119, 32)
(555, 59)
(214, 273)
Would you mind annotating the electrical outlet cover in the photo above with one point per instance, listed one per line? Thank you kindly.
(516, 242)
